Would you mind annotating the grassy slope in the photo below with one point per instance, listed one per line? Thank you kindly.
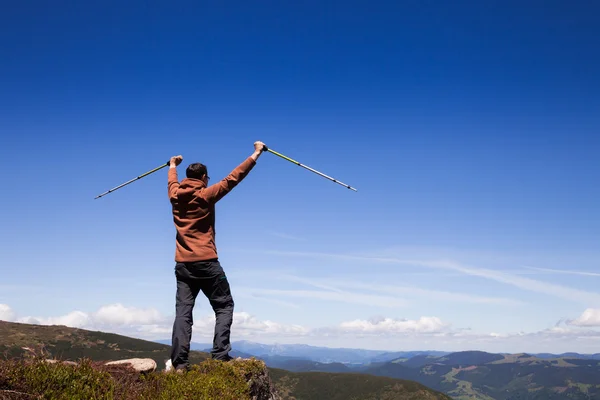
(208, 380)
(72, 344)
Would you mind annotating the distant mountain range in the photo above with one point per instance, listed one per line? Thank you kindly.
(473, 375)
(350, 356)
(347, 356)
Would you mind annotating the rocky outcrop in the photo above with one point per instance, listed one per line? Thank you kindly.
(142, 365)
(260, 384)
(73, 363)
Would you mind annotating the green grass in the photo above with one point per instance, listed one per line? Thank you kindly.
(210, 380)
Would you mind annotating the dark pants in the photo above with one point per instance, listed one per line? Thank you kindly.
(209, 277)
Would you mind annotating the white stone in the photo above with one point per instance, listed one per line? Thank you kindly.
(50, 361)
(139, 364)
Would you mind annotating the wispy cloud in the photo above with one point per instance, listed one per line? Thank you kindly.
(523, 283)
(564, 271)
(438, 295)
(244, 293)
(285, 236)
(404, 291)
(340, 296)
(528, 284)
(310, 282)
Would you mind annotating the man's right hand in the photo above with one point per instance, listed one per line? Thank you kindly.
(175, 161)
(259, 146)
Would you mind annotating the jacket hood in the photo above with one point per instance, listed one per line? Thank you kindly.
(189, 186)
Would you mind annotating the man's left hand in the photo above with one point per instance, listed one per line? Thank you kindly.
(175, 161)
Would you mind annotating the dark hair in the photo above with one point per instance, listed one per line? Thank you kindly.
(196, 171)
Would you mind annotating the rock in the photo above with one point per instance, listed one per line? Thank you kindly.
(260, 384)
(50, 361)
(143, 365)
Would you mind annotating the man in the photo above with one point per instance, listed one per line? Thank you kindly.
(197, 264)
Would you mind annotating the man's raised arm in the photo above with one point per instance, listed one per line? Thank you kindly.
(216, 192)
(173, 184)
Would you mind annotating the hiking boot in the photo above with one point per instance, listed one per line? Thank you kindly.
(180, 369)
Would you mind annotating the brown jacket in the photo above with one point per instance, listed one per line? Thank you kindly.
(194, 212)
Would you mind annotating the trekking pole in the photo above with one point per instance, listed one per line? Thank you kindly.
(309, 168)
(133, 180)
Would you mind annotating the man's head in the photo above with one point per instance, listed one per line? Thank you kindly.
(196, 171)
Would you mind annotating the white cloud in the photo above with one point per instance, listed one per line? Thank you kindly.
(246, 325)
(154, 331)
(117, 314)
(590, 317)
(246, 322)
(556, 335)
(423, 333)
(394, 326)
(112, 315)
(6, 313)
(431, 333)
(149, 323)
(75, 319)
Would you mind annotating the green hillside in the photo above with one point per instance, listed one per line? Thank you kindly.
(484, 376)
(66, 343)
(348, 386)
(73, 344)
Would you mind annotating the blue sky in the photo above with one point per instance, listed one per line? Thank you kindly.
(470, 131)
